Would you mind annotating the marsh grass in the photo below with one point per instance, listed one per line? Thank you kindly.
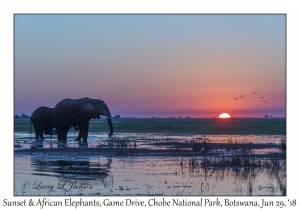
(258, 126)
(244, 168)
(241, 160)
(118, 142)
(282, 145)
(201, 143)
(244, 145)
(125, 145)
(205, 145)
(240, 157)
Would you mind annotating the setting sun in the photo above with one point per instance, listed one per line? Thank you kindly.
(224, 115)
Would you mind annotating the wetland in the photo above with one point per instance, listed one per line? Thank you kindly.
(161, 157)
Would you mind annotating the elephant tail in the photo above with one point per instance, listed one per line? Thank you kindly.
(30, 122)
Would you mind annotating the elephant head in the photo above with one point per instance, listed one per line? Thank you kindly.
(93, 108)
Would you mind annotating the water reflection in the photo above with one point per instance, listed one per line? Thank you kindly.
(245, 177)
(220, 167)
(166, 176)
(72, 167)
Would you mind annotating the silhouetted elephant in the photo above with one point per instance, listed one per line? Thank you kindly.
(43, 123)
(41, 120)
(50, 131)
(77, 113)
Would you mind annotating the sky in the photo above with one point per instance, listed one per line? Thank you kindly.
(153, 65)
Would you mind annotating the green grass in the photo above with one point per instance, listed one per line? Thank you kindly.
(243, 126)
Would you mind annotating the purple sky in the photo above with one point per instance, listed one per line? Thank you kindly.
(153, 65)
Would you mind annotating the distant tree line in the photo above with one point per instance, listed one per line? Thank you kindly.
(23, 116)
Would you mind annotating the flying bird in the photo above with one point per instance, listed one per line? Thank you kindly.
(265, 101)
(236, 99)
(242, 96)
(260, 97)
(255, 92)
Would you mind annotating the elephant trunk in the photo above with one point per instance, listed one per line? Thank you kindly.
(110, 127)
(106, 112)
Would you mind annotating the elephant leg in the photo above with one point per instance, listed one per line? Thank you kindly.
(58, 132)
(42, 135)
(64, 137)
(59, 137)
(79, 135)
(85, 131)
(38, 138)
(49, 132)
(36, 134)
(39, 134)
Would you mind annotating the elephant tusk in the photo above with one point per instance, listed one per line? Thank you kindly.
(107, 117)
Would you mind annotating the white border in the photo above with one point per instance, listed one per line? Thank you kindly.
(9, 8)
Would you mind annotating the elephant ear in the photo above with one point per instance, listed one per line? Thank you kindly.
(89, 110)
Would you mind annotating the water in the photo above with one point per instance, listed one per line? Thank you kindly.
(48, 171)
(24, 140)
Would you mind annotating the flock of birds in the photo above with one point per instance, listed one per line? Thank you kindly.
(262, 97)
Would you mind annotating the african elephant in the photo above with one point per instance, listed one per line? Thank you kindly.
(50, 131)
(41, 120)
(43, 123)
(77, 113)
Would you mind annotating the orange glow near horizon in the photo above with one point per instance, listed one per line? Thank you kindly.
(173, 68)
(224, 115)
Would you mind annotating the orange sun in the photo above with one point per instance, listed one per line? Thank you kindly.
(224, 115)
